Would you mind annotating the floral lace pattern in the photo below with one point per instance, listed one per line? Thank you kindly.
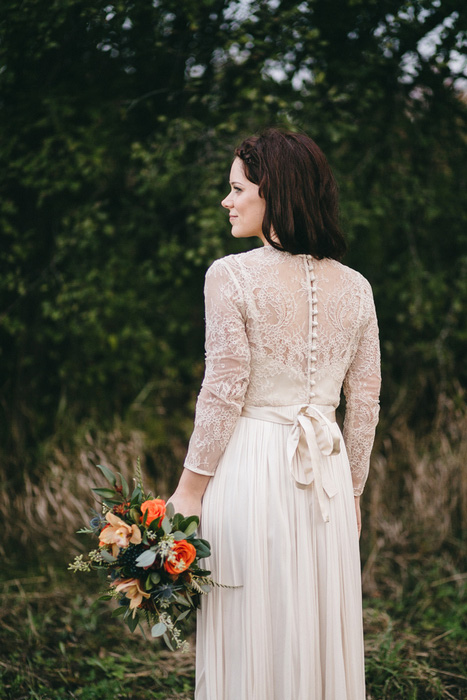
(287, 329)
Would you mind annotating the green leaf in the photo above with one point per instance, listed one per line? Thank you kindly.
(191, 529)
(170, 510)
(155, 577)
(146, 558)
(132, 622)
(182, 600)
(135, 515)
(104, 493)
(148, 584)
(158, 629)
(183, 615)
(136, 496)
(120, 611)
(178, 535)
(125, 487)
(105, 597)
(186, 521)
(177, 520)
(108, 473)
(202, 551)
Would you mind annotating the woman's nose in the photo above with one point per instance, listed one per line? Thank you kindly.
(226, 202)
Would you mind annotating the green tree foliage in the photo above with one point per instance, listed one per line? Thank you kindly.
(117, 123)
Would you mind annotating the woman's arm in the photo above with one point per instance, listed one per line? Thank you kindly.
(189, 493)
(361, 388)
(222, 394)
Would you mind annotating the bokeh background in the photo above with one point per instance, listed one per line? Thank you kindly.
(117, 126)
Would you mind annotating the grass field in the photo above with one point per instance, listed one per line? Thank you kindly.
(57, 644)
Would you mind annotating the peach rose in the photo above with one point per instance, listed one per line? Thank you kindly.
(155, 508)
(118, 534)
(131, 588)
(183, 554)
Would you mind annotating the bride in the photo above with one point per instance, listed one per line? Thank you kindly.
(278, 485)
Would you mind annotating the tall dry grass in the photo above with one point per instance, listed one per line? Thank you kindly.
(44, 516)
(415, 505)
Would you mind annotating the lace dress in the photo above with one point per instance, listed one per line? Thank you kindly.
(284, 334)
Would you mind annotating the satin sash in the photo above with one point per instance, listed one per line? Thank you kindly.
(314, 435)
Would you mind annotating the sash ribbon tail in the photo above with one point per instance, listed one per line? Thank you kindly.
(313, 436)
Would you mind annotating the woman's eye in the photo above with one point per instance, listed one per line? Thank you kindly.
(237, 189)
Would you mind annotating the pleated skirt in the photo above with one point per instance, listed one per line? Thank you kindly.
(291, 629)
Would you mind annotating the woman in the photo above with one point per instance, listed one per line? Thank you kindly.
(286, 327)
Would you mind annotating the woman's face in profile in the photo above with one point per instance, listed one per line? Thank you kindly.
(246, 207)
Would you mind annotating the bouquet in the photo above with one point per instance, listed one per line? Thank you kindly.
(150, 556)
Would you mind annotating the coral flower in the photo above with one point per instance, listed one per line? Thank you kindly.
(182, 556)
(155, 508)
(131, 588)
(118, 534)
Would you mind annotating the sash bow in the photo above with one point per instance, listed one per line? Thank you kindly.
(313, 436)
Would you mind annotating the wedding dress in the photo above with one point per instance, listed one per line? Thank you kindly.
(284, 334)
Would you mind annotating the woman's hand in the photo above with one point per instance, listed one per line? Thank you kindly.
(185, 504)
(189, 493)
(358, 514)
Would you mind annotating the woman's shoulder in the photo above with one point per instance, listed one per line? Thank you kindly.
(234, 261)
(347, 274)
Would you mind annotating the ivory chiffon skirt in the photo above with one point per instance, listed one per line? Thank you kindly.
(292, 630)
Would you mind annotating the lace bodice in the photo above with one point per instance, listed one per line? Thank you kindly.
(286, 329)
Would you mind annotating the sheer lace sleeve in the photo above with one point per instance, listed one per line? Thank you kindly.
(221, 398)
(361, 389)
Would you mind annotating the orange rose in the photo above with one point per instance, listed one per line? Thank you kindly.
(183, 554)
(155, 509)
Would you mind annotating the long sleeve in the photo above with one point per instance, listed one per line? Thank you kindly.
(227, 372)
(361, 388)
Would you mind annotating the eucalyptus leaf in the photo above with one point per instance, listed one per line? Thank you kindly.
(183, 615)
(166, 525)
(107, 556)
(166, 639)
(109, 475)
(169, 510)
(146, 558)
(155, 577)
(179, 535)
(158, 629)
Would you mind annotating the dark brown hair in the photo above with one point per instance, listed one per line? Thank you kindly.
(297, 183)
